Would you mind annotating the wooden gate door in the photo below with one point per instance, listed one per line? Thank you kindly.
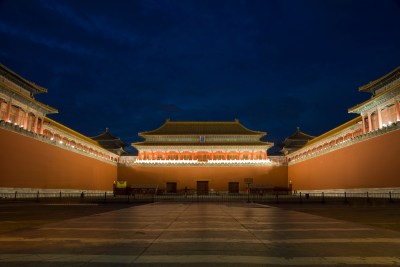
(233, 187)
(202, 187)
(171, 187)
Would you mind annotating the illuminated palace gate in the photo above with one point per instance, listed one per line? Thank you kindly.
(205, 144)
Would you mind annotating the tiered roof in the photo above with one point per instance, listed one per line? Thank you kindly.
(230, 134)
(24, 83)
(30, 87)
(299, 135)
(295, 141)
(386, 87)
(202, 128)
(110, 142)
(372, 86)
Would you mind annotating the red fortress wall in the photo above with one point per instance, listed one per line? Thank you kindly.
(218, 177)
(369, 164)
(30, 163)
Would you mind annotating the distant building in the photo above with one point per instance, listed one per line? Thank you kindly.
(111, 143)
(295, 141)
(201, 157)
(202, 142)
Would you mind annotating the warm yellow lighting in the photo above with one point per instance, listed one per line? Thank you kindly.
(213, 162)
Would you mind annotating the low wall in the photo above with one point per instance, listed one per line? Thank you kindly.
(29, 163)
(373, 163)
(218, 176)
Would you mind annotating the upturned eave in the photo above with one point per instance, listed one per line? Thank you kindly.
(30, 86)
(369, 87)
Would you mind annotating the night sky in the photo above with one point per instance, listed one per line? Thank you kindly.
(129, 65)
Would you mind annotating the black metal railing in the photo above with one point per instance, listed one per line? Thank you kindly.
(109, 197)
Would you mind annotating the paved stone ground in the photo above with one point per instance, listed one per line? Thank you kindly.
(199, 234)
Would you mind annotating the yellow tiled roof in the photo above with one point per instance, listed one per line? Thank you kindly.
(369, 85)
(391, 88)
(299, 135)
(334, 131)
(38, 88)
(27, 97)
(202, 128)
(70, 131)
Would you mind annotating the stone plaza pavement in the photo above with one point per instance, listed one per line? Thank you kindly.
(198, 234)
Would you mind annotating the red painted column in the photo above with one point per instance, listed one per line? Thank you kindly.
(379, 118)
(17, 116)
(26, 120)
(41, 125)
(1, 103)
(8, 112)
(363, 125)
(369, 123)
(35, 125)
(38, 125)
(397, 109)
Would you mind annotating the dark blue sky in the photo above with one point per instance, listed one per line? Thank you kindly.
(129, 65)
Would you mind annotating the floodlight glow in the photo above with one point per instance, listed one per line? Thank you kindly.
(216, 162)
